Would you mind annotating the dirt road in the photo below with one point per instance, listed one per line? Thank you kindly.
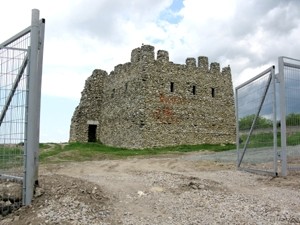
(164, 190)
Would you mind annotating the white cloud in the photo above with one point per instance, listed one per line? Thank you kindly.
(250, 72)
(61, 82)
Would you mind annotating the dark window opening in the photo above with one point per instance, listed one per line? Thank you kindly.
(126, 86)
(172, 87)
(194, 90)
(213, 92)
(113, 93)
(142, 124)
(92, 131)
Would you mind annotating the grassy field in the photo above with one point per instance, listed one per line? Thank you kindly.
(52, 152)
(266, 140)
(11, 156)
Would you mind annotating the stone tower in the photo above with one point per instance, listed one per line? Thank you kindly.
(152, 102)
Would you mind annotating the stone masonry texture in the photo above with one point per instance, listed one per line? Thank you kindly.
(151, 102)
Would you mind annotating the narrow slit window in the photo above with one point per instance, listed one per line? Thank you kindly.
(194, 90)
(113, 93)
(213, 93)
(126, 86)
(172, 87)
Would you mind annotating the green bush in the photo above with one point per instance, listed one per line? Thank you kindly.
(261, 122)
(293, 119)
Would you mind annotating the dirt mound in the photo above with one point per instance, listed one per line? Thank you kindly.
(63, 200)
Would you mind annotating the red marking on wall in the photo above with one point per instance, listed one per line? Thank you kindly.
(165, 115)
(170, 99)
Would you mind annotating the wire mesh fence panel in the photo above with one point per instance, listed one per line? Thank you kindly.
(20, 59)
(13, 99)
(256, 129)
(12, 129)
(291, 74)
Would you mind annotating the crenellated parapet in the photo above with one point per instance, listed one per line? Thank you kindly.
(146, 54)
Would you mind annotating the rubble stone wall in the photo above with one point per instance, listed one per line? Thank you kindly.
(89, 109)
(152, 102)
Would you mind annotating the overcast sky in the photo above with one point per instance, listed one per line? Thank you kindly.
(82, 35)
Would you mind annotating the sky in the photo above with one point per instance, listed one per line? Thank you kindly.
(83, 35)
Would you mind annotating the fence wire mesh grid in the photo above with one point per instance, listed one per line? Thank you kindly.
(291, 74)
(255, 115)
(13, 100)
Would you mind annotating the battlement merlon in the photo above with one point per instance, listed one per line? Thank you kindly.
(214, 68)
(203, 62)
(190, 62)
(135, 55)
(226, 71)
(162, 56)
(147, 53)
(143, 54)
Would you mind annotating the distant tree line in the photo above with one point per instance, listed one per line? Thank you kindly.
(292, 119)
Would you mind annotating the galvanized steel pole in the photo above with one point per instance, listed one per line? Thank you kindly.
(282, 116)
(33, 111)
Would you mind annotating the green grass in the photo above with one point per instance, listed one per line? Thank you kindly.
(97, 151)
(11, 156)
(259, 140)
(266, 140)
(45, 145)
(293, 139)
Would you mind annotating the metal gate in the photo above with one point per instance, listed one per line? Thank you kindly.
(268, 120)
(256, 124)
(21, 59)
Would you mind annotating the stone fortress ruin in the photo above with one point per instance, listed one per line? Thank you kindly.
(150, 102)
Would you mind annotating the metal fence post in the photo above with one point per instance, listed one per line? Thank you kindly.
(33, 112)
(39, 81)
(237, 128)
(282, 105)
(274, 122)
